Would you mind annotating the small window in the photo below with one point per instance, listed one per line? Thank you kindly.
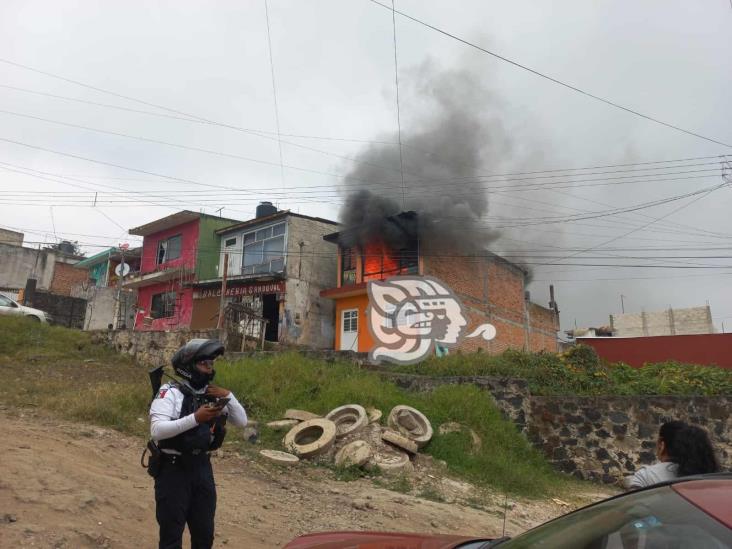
(163, 305)
(278, 230)
(350, 321)
(169, 249)
(230, 242)
(248, 238)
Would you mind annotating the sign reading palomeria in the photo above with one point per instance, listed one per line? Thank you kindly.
(257, 288)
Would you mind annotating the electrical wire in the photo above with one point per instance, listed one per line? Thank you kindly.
(552, 79)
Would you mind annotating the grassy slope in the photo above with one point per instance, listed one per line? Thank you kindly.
(60, 370)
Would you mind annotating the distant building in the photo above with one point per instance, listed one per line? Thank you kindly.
(695, 320)
(107, 305)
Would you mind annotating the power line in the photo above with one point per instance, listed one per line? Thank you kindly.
(274, 95)
(552, 79)
(399, 116)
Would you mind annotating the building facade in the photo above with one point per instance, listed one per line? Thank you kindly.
(490, 288)
(276, 266)
(107, 304)
(177, 251)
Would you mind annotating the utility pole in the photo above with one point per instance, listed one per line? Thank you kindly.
(622, 303)
(223, 293)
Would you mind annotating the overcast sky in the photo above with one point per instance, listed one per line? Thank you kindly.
(334, 77)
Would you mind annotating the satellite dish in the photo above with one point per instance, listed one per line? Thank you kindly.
(122, 270)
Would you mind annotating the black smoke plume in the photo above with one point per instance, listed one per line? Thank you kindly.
(453, 136)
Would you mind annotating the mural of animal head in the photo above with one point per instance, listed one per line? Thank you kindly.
(407, 315)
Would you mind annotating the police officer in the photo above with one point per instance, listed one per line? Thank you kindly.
(187, 420)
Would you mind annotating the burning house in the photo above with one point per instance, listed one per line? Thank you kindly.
(492, 289)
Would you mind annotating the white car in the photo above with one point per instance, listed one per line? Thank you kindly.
(11, 307)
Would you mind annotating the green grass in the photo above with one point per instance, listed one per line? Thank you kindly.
(579, 371)
(269, 385)
(50, 368)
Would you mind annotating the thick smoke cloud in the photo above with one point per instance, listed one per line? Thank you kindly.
(453, 136)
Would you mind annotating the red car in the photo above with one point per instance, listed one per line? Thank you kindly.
(691, 512)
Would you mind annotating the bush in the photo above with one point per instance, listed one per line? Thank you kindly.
(579, 371)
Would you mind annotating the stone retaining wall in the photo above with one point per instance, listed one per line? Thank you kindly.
(606, 438)
(149, 348)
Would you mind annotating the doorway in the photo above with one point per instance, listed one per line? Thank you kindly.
(271, 311)
(349, 330)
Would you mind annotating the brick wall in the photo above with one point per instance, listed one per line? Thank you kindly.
(492, 290)
(65, 277)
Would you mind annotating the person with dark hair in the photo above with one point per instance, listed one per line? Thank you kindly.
(682, 450)
(187, 421)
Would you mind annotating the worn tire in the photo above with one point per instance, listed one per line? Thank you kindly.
(310, 438)
(411, 423)
(348, 419)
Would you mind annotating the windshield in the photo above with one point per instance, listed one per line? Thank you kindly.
(650, 519)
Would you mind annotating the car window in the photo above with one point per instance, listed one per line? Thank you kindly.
(649, 519)
(5, 302)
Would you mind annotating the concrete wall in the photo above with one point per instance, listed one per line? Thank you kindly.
(11, 237)
(695, 320)
(102, 307)
(65, 310)
(492, 290)
(18, 263)
(310, 268)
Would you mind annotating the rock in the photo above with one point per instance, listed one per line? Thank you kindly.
(449, 427)
(280, 458)
(361, 504)
(300, 415)
(434, 524)
(250, 434)
(7, 517)
(373, 414)
(282, 424)
(402, 442)
(355, 453)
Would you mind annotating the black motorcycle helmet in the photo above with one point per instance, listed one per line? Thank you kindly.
(184, 360)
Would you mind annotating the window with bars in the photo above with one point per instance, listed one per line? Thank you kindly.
(348, 266)
(264, 250)
(163, 305)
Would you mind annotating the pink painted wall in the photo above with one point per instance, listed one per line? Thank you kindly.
(183, 311)
(184, 307)
(189, 244)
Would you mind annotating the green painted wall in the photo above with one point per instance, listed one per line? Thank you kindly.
(209, 246)
(99, 272)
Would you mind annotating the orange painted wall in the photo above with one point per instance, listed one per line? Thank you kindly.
(360, 302)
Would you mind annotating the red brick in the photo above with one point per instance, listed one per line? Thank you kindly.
(65, 276)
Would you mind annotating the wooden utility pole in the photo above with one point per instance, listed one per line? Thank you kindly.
(223, 292)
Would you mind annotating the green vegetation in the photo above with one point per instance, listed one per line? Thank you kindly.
(63, 371)
(579, 371)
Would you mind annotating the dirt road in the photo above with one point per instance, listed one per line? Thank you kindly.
(72, 485)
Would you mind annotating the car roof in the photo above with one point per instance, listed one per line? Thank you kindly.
(714, 498)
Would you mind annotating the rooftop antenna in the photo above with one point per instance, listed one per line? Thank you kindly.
(220, 209)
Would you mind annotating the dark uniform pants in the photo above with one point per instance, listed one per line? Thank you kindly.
(185, 493)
